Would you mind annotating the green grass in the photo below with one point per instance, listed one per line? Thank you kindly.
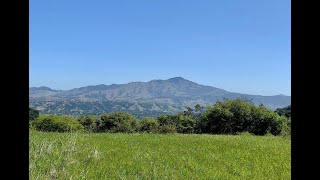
(156, 156)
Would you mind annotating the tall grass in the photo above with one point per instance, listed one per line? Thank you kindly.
(157, 156)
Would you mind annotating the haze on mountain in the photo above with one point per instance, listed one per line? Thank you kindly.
(140, 98)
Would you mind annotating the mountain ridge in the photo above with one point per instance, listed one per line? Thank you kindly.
(169, 95)
(178, 77)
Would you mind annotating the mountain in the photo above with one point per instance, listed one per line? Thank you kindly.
(42, 88)
(139, 98)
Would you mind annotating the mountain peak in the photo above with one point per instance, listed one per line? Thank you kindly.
(177, 79)
(140, 98)
(43, 88)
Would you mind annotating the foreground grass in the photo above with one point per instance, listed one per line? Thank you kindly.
(155, 156)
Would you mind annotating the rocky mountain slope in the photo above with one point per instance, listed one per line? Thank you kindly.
(140, 98)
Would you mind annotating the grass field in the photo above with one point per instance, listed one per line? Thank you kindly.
(156, 156)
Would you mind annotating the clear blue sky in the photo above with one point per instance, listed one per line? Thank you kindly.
(240, 46)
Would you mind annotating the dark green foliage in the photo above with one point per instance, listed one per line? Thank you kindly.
(234, 116)
(148, 125)
(286, 111)
(224, 117)
(89, 122)
(181, 122)
(118, 122)
(33, 114)
(188, 112)
(286, 130)
(57, 123)
(167, 129)
(165, 120)
(266, 121)
(198, 107)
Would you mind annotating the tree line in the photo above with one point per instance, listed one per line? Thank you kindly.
(224, 117)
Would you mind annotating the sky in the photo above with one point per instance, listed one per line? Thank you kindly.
(240, 46)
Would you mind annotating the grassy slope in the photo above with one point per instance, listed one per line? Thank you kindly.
(154, 156)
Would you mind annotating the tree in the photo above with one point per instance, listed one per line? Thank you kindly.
(286, 111)
(185, 124)
(118, 122)
(266, 121)
(181, 122)
(33, 114)
(234, 116)
(57, 123)
(198, 108)
(89, 122)
(188, 112)
(148, 125)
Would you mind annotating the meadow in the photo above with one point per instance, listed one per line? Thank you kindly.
(157, 156)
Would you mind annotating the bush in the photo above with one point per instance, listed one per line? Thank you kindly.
(148, 125)
(266, 121)
(55, 123)
(286, 130)
(180, 122)
(236, 116)
(286, 111)
(245, 133)
(32, 124)
(166, 120)
(167, 129)
(89, 122)
(33, 114)
(186, 124)
(117, 122)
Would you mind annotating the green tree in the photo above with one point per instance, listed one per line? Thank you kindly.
(234, 116)
(167, 129)
(57, 123)
(148, 125)
(181, 122)
(88, 122)
(266, 121)
(118, 122)
(286, 111)
(33, 114)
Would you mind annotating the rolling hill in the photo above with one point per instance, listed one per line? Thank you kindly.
(139, 98)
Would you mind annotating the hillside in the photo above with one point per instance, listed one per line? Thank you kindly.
(139, 98)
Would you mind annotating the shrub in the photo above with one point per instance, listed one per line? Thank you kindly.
(216, 120)
(286, 130)
(117, 122)
(166, 120)
(56, 123)
(185, 124)
(89, 122)
(266, 121)
(245, 133)
(236, 116)
(286, 111)
(180, 122)
(167, 129)
(33, 114)
(148, 125)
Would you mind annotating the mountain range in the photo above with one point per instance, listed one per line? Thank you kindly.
(139, 98)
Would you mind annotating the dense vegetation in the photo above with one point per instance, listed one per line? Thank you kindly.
(58, 123)
(234, 116)
(145, 153)
(224, 117)
(286, 111)
(157, 156)
(33, 114)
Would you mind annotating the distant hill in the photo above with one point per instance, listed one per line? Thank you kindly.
(139, 98)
